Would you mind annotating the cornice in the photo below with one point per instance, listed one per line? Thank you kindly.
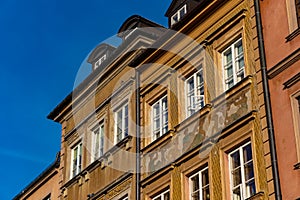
(292, 81)
(284, 64)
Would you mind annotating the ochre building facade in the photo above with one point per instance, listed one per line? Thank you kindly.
(172, 113)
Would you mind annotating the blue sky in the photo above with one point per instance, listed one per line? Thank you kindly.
(43, 44)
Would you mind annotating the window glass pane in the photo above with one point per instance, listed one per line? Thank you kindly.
(97, 143)
(191, 84)
(160, 117)
(79, 158)
(205, 179)
(236, 177)
(182, 12)
(298, 99)
(242, 173)
(249, 172)
(205, 193)
(237, 194)
(195, 196)
(126, 121)
(297, 4)
(234, 64)
(235, 160)
(250, 188)
(247, 152)
(229, 71)
(195, 183)
(228, 57)
(167, 196)
(195, 92)
(119, 125)
(175, 18)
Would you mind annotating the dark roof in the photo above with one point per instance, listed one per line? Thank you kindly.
(143, 22)
(99, 50)
(47, 171)
(135, 21)
(174, 4)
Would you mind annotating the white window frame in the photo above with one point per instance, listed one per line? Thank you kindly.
(124, 198)
(161, 195)
(195, 99)
(124, 122)
(178, 14)
(163, 123)
(77, 170)
(201, 186)
(244, 189)
(98, 133)
(292, 15)
(296, 120)
(100, 61)
(237, 73)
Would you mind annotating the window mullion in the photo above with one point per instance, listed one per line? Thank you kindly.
(195, 90)
(160, 116)
(242, 173)
(123, 122)
(234, 66)
(200, 185)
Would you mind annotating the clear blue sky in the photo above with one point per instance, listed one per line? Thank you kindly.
(42, 45)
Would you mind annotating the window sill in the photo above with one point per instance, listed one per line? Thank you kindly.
(103, 160)
(294, 34)
(257, 196)
(158, 142)
(297, 166)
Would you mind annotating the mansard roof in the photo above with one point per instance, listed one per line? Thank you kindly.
(173, 6)
(135, 21)
(190, 4)
(146, 38)
(100, 50)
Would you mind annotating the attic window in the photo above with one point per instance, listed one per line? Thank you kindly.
(100, 61)
(178, 15)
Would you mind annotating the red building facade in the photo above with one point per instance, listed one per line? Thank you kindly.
(281, 32)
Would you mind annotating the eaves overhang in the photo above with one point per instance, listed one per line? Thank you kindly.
(139, 39)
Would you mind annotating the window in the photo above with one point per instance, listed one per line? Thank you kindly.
(100, 61)
(297, 5)
(242, 181)
(295, 101)
(76, 160)
(163, 196)
(98, 141)
(159, 118)
(293, 14)
(121, 123)
(195, 92)
(178, 15)
(233, 64)
(199, 185)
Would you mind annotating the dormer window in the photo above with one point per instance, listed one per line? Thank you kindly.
(100, 61)
(178, 15)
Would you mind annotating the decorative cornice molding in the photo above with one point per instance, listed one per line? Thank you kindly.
(284, 64)
(294, 34)
(292, 81)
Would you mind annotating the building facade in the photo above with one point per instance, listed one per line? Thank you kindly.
(281, 40)
(171, 113)
(45, 186)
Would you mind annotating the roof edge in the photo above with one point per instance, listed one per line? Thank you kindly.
(42, 175)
